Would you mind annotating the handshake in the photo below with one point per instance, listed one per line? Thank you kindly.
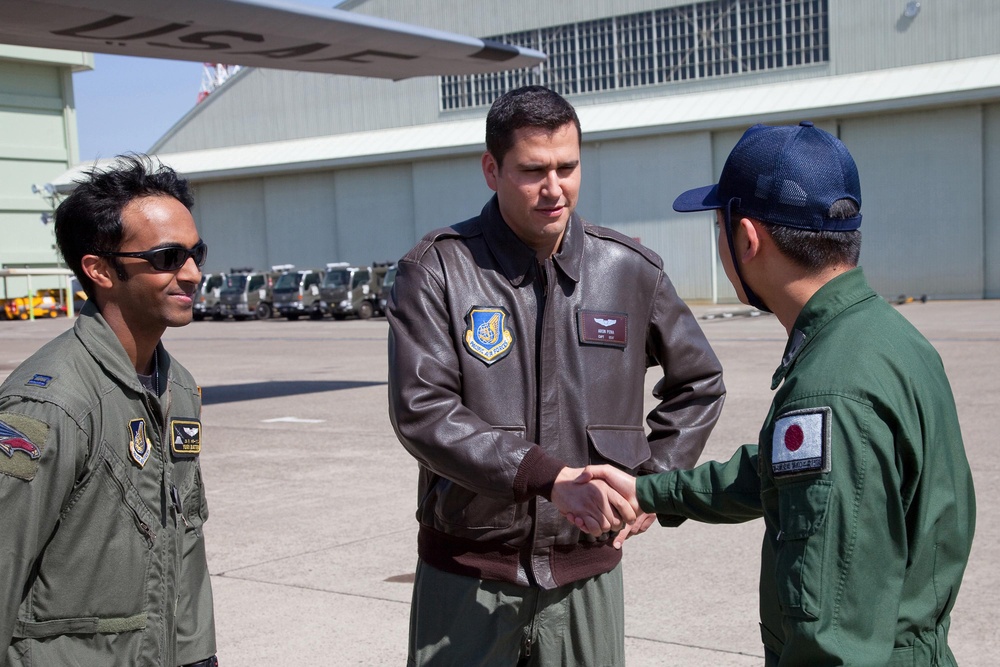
(598, 499)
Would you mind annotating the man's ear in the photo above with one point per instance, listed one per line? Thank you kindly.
(491, 170)
(99, 270)
(749, 239)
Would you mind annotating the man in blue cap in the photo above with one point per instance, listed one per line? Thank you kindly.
(860, 472)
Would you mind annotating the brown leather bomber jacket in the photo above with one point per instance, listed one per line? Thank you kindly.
(502, 371)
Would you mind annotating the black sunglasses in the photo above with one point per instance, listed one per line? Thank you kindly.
(170, 258)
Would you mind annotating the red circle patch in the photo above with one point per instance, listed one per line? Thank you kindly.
(794, 437)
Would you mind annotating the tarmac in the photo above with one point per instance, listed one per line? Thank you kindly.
(312, 540)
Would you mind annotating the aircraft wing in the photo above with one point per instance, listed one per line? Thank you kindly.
(255, 33)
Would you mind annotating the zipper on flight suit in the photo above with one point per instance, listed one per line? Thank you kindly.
(140, 524)
(175, 498)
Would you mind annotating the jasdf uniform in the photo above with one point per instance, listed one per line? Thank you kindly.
(103, 556)
(861, 477)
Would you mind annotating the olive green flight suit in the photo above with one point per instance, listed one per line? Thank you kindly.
(862, 480)
(101, 509)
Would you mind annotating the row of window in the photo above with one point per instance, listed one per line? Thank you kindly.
(698, 41)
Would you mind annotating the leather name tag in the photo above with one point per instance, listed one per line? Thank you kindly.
(603, 328)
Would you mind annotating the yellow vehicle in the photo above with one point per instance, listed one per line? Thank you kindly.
(43, 303)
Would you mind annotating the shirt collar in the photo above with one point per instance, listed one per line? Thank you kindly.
(827, 303)
(103, 345)
(517, 259)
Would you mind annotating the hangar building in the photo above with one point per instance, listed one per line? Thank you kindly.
(303, 168)
(37, 140)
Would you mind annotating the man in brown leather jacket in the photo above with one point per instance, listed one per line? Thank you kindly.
(518, 348)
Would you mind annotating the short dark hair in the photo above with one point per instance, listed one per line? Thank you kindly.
(89, 221)
(528, 106)
(817, 250)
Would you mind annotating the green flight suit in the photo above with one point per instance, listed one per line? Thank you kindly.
(103, 556)
(861, 477)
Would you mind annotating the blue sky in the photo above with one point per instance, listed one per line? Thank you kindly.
(126, 104)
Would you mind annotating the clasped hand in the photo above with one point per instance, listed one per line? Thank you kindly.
(598, 499)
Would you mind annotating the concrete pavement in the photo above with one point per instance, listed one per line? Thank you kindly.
(312, 541)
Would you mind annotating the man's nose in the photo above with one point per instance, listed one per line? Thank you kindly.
(551, 186)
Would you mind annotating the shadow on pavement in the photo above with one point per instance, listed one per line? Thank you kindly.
(232, 393)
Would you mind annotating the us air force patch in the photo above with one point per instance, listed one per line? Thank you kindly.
(139, 445)
(801, 442)
(185, 437)
(487, 337)
(22, 440)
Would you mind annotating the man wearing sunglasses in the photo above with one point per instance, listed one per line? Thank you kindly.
(100, 434)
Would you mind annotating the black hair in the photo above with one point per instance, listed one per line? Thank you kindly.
(817, 250)
(89, 221)
(528, 106)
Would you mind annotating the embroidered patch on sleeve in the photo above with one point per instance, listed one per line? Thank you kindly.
(486, 336)
(801, 442)
(185, 437)
(39, 380)
(22, 440)
(603, 328)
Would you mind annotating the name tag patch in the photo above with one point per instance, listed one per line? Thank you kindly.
(603, 328)
(801, 442)
(185, 437)
(487, 337)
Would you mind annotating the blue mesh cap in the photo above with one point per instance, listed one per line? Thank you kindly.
(787, 175)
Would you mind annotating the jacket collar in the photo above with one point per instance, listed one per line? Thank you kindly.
(100, 341)
(516, 259)
(826, 304)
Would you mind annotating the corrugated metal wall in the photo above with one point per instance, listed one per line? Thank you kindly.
(444, 192)
(931, 218)
(922, 186)
(866, 35)
(630, 185)
(991, 200)
(930, 226)
(375, 209)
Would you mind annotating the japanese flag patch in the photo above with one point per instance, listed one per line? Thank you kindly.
(801, 442)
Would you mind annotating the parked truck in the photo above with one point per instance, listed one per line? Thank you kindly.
(296, 293)
(249, 293)
(353, 291)
(206, 302)
(383, 297)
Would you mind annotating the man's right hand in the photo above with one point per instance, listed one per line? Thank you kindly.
(619, 480)
(594, 506)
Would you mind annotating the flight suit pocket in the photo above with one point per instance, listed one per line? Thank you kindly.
(799, 562)
(109, 533)
(191, 490)
(624, 446)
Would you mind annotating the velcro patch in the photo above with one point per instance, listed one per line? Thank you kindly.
(487, 336)
(603, 328)
(39, 380)
(801, 442)
(22, 440)
(139, 446)
(185, 437)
